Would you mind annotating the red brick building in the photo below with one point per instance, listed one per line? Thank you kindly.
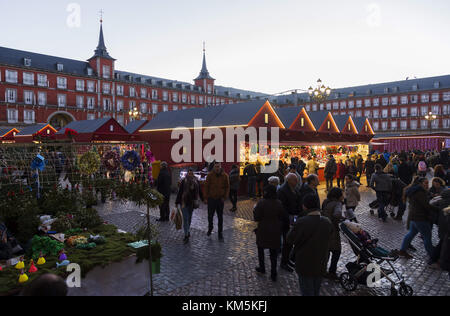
(36, 88)
(393, 108)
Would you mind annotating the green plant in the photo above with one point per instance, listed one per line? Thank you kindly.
(87, 218)
(45, 245)
(63, 223)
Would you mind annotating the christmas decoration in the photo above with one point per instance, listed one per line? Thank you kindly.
(89, 163)
(130, 160)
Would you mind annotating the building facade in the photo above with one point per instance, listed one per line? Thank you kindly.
(395, 108)
(36, 88)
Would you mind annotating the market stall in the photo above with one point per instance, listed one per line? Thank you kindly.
(48, 194)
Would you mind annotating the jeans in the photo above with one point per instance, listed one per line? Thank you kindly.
(424, 228)
(329, 183)
(215, 206)
(339, 181)
(234, 197)
(382, 198)
(273, 259)
(335, 255)
(251, 186)
(187, 219)
(164, 209)
(309, 286)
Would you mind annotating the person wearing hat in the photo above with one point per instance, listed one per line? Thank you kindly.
(163, 185)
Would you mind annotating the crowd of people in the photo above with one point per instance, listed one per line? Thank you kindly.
(293, 223)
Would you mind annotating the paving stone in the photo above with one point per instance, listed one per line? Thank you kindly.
(206, 266)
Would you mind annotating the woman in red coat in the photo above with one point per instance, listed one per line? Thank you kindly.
(340, 174)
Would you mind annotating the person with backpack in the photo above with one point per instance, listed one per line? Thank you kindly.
(382, 184)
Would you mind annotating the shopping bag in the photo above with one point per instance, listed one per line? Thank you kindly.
(172, 215)
(178, 219)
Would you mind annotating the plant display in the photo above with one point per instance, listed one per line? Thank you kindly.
(89, 163)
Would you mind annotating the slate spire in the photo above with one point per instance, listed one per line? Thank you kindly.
(204, 73)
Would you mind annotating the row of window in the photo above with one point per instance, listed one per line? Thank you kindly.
(394, 100)
(413, 125)
(403, 112)
(11, 76)
(30, 98)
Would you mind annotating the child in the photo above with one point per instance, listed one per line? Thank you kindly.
(352, 197)
(366, 240)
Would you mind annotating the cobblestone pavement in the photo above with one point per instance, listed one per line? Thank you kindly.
(206, 266)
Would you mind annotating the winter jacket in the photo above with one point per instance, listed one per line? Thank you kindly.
(442, 202)
(405, 173)
(381, 182)
(420, 209)
(340, 173)
(333, 210)
(234, 179)
(250, 170)
(290, 199)
(217, 186)
(352, 195)
(312, 167)
(304, 191)
(397, 192)
(352, 170)
(164, 183)
(187, 196)
(330, 168)
(311, 238)
(271, 218)
(445, 252)
(369, 167)
(360, 165)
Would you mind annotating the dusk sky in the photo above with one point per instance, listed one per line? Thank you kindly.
(261, 45)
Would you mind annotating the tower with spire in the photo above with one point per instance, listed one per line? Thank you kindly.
(102, 63)
(204, 80)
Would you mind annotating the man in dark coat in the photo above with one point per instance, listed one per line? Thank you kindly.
(163, 185)
(290, 199)
(382, 184)
(369, 168)
(330, 172)
(311, 237)
(309, 188)
(405, 173)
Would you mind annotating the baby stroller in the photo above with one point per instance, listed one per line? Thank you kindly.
(358, 273)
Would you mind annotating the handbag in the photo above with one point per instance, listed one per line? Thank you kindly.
(178, 219)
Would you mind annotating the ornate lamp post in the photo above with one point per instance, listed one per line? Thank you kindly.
(134, 114)
(431, 118)
(321, 93)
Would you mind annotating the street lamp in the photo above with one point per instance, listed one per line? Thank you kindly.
(134, 114)
(431, 118)
(321, 93)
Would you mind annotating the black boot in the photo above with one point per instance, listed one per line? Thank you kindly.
(260, 270)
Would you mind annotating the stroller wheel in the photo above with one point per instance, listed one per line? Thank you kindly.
(348, 282)
(406, 290)
(394, 291)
